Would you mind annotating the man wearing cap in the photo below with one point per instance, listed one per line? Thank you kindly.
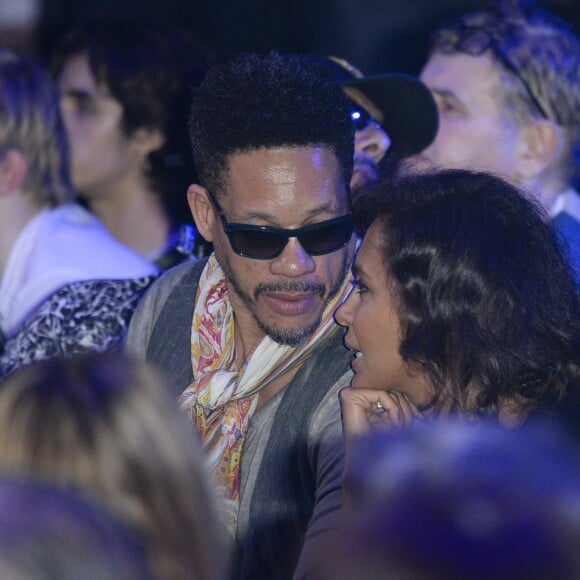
(247, 338)
(394, 116)
(507, 86)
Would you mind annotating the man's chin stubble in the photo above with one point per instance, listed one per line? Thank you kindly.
(288, 337)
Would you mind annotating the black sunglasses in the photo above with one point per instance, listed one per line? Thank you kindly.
(267, 243)
(361, 118)
(474, 40)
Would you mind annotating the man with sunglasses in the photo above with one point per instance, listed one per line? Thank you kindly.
(507, 86)
(247, 338)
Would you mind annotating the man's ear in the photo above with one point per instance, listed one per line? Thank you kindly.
(13, 171)
(541, 146)
(147, 140)
(202, 210)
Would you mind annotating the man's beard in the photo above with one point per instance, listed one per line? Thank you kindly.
(289, 336)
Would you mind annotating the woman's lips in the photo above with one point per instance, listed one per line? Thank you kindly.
(357, 354)
(356, 360)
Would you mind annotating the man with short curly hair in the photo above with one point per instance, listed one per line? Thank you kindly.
(248, 337)
(507, 85)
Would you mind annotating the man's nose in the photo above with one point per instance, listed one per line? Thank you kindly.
(372, 141)
(294, 260)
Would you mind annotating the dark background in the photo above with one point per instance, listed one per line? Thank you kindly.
(375, 35)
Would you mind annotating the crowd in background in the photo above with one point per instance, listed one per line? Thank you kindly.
(263, 315)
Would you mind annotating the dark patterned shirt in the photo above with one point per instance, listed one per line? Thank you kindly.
(82, 316)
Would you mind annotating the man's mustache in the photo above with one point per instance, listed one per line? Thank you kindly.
(289, 287)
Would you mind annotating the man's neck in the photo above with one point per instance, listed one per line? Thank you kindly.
(244, 347)
(276, 386)
(135, 217)
(247, 336)
(545, 190)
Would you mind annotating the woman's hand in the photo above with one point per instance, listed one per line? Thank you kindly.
(364, 409)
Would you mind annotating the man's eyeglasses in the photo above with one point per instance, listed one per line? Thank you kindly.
(475, 41)
(267, 243)
(360, 118)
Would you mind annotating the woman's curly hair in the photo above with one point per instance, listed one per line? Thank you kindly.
(487, 300)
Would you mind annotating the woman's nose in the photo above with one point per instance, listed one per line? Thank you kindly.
(343, 314)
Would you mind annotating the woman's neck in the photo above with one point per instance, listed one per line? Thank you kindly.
(16, 211)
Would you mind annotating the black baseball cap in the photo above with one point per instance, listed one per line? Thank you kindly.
(409, 111)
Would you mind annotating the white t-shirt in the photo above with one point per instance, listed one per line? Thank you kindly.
(59, 246)
(568, 202)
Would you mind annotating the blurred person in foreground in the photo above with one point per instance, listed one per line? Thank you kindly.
(66, 285)
(460, 500)
(48, 532)
(125, 88)
(104, 426)
(507, 85)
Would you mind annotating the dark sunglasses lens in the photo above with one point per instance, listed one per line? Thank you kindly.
(327, 239)
(360, 118)
(266, 245)
(257, 244)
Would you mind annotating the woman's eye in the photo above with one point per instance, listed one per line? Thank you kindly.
(358, 287)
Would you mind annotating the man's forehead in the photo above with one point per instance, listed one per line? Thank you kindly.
(460, 72)
(282, 165)
(263, 181)
(78, 76)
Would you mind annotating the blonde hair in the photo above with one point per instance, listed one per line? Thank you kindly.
(30, 122)
(106, 426)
